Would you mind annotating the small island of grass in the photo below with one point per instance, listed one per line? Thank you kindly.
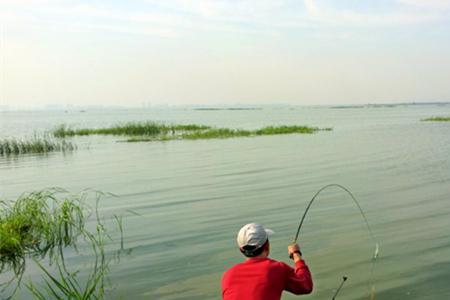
(221, 133)
(152, 131)
(131, 128)
(437, 119)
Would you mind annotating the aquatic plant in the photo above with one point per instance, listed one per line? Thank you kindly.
(136, 139)
(34, 145)
(216, 133)
(35, 225)
(131, 128)
(437, 119)
(67, 285)
(271, 130)
(188, 127)
(40, 225)
(152, 131)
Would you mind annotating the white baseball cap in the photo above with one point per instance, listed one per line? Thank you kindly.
(253, 235)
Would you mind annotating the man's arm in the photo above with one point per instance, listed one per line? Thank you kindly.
(298, 280)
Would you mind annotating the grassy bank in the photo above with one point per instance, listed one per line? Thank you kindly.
(34, 145)
(437, 119)
(132, 128)
(220, 133)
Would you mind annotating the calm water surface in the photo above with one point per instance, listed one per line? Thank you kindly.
(193, 196)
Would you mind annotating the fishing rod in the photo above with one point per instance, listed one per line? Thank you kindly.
(375, 255)
(344, 279)
(314, 198)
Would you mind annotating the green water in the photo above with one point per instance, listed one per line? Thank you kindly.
(193, 196)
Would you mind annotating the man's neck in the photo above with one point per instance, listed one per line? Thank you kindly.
(262, 255)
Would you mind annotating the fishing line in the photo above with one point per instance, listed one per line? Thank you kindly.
(375, 255)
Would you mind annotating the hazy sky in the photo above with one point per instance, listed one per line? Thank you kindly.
(223, 52)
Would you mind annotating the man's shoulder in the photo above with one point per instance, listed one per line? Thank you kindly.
(278, 264)
(232, 269)
(268, 262)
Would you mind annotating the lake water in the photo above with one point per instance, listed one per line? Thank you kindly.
(193, 196)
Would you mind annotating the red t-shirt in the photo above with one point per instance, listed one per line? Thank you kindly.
(265, 279)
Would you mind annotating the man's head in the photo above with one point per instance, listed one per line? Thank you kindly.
(253, 240)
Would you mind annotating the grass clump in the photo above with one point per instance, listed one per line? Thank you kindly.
(40, 225)
(152, 131)
(272, 130)
(161, 138)
(189, 127)
(131, 128)
(215, 133)
(269, 130)
(437, 119)
(32, 227)
(219, 133)
(35, 145)
(148, 128)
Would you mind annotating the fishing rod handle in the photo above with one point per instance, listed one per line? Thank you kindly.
(291, 256)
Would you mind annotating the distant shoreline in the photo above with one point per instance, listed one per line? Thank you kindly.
(228, 108)
(388, 105)
(218, 107)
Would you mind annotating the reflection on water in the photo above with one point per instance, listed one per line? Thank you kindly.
(191, 197)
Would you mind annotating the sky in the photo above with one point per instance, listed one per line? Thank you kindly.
(224, 52)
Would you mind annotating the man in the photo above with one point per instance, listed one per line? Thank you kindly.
(262, 278)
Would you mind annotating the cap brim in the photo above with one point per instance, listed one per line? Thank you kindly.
(269, 231)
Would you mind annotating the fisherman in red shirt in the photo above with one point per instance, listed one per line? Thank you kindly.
(262, 278)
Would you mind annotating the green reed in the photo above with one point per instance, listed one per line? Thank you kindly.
(33, 145)
(437, 119)
(37, 224)
(40, 225)
(272, 130)
(67, 285)
(217, 133)
(153, 131)
(131, 128)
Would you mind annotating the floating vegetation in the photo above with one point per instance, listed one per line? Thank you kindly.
(40, 225)
(152, 131)
(216, 133)
(132, 128)
(141, 132)
(162, 138)
(437, 119)
(271, 130)
(34, 145)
